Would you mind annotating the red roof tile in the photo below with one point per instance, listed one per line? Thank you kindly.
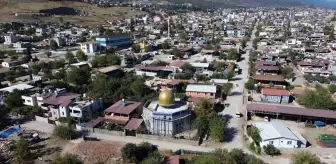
(275, 92)
(62, 100)
(267, 68)
(177, 63)
(125, 107)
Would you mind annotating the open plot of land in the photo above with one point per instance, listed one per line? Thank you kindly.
(95, 15)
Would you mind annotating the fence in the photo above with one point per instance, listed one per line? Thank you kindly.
(104, 131)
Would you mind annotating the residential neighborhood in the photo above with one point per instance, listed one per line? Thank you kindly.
(177, 84)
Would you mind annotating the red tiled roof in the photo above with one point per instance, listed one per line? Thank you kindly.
(133, 124)
(177, 63)
(62, 100)
(120, 107)
(267, 68)
(279, 78)
(275, 92)
(319, 113)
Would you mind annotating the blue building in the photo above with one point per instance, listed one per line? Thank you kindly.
(278, 96)
(115, 40)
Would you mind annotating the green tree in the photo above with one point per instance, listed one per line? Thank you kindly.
(78, 76)
(287, 72)
(233, 55)
(136, 48)
(70, 57)
(204, 108)
(250, 84)
(21, 152)
(319, 99)
(165, 45)
(63, 132)
(113, 59)
(188, 68)
(332, 88)
(177, 53)
(67, 158)
(253, 132)
(153, 158)
(271, 150)
(305, 157)
(80, 55)
(53, 45)
(217, 128)
(128, 152)
(14, 100)
(4, 111)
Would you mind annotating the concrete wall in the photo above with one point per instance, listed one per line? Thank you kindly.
(281, 143)
(41, 119)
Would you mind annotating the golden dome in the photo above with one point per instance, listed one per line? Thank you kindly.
(166, 97)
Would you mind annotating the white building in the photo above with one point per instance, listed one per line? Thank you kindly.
(90, 47)
(278, 135)
(9, 39)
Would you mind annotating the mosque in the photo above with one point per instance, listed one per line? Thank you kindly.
(167, 116)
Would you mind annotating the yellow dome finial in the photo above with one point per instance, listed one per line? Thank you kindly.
(166, 97)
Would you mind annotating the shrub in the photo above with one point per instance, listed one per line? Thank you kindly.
(271, 150)
(63, 132)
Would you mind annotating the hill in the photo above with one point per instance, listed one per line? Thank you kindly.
(93, 15)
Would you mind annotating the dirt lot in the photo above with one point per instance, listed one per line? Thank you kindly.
(96, 15)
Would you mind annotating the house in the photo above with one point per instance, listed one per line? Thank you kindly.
(116, 40)
(10, 64)
(269, 79)
(263, 69)
(82, 64)
(200, 67)
(275, 96)
(152, 71)
(201, 91)
(278, 135)
(9, 39)
(89, 47)
(70, 104)
(20, 87)
(111, 71)
(121, 112)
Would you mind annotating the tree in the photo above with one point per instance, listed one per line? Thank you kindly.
(153, 158)
(233, 55)
(230, 75)
(217, 128)
(188, 68)
(271, 150)
(3, 115)
(78, 76)
(204, 108)
(319, 99)
(14, 100)
(136, 48)
(67, 158)
(253, 132)
(250, 84)
(165, 45)
(332, 88)
(305, 157)
(113, 59)
(287, 72)
(135, 154)
(80, 55)
(53, 45)
(63, 132)
(21, 152)
(47, 53)
(70, 57)
(177, 53)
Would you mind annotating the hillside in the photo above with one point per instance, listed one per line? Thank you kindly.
(95, 15)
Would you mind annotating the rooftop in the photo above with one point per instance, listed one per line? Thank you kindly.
(109, 69)
(275, 92)
(123, 107)
(61, 99)
(18, 87)
(278, 78)
(201, 88)
(281, 109)
(273, 130)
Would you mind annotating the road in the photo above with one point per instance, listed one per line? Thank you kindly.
(235, 127)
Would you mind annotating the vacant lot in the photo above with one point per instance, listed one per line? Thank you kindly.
(96, 15)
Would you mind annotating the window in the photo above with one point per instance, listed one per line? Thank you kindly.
(62, 113)
(271, 142)
(289, 142)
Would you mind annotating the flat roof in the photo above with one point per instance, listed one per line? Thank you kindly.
(278, 78)
(201, 88)
(18, 87)
(109, 69)
(319, 113)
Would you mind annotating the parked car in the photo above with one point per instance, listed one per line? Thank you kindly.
(238, 114)
(266, 119)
